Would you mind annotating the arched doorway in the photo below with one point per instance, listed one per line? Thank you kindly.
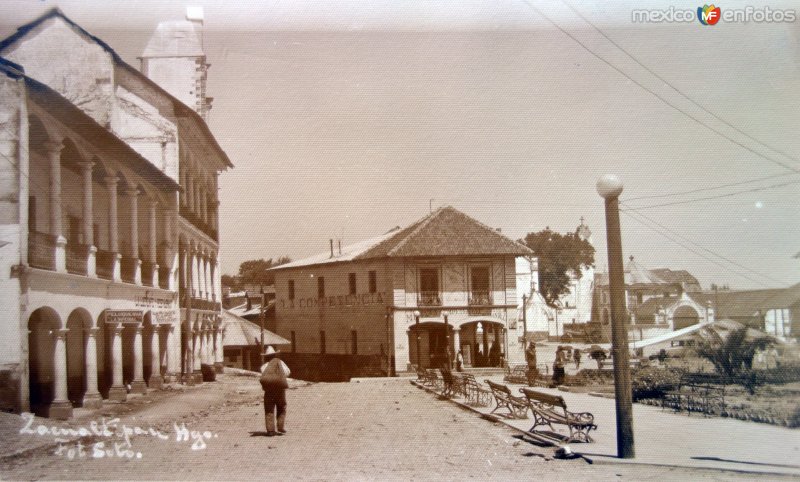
(684, 316)
(428, 345)
(78, 322)
(41, 359)
(483, 343)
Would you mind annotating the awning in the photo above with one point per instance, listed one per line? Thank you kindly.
(241, 332)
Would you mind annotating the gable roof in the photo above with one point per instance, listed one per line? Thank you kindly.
(736, 304)
(445, 232)
(180, 108)
(786, 298)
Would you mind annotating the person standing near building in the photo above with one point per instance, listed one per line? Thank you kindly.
(274, 375)
(576, 355)
(460, 361)
(530, 358)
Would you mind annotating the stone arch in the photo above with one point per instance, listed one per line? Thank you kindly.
(42, 324)
(483, 341)
(78, 322)
(684, 316)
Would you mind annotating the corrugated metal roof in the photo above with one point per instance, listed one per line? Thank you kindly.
(240, 332)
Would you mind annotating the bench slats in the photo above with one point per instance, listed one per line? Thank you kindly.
(543, 406)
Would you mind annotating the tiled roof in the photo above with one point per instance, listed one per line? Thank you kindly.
(736, 304)
(786, 298)
(651, 306)
(445, 232)
(240, 332)
(680, 276)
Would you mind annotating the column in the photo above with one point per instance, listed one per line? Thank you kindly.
(133, 199)
(155, 380)
(170, 357)
(194, 272)
(113, 226)
(88, 219)
(207, 276)
(196, 356)
(219, 354)
(152, 253)
(117, 391)
(456, 340)
(92, 398)
(54, 156)
(189, 195)
(61, 407)
(138, 385)
(169, 252)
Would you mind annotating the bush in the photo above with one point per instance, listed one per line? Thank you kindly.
(654, 382)
(787, 373)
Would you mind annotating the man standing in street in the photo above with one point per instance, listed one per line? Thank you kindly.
(274, 375)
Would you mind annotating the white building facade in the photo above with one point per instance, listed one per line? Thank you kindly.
(94, 214)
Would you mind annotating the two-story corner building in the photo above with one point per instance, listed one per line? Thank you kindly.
(99, 157)
(412, 296)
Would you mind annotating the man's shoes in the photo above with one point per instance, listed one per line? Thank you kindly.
(281, 431)
(272, 434)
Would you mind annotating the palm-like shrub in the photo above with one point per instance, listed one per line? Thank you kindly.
(732, 356)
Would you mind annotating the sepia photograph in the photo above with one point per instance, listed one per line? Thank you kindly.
(399, 240)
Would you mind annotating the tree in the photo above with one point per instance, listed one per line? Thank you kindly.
(257, 271)
(733, 356)
(254, 272)
(559, 255)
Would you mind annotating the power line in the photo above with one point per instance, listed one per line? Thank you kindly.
(692, 191)
(635, 216)
(659, 97)
(730, 194)
(662, 79)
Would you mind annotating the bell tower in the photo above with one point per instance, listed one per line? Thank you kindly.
(175, 60)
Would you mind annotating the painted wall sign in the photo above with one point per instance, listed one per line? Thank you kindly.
(165, 317)
(124, 316)
(330, 301)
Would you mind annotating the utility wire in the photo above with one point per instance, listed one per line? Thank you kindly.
(659, 97)
(662, 79)
(712, 188)
(636, 216)
(735, 193)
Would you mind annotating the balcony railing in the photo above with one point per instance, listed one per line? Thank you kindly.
(198, 222)
(480, 298)
(430, 298)
(41, 250)
(105, 264)
(77, 258)
(163, 277)
(147, 273)
(128, 269)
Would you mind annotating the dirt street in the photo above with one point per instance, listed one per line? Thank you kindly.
(374, 429)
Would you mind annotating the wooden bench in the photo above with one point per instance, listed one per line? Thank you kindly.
(545, 412)
(452, 385)
(516, 374)
(474, 392)
(517, 406)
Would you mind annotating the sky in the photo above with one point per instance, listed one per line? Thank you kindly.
(345, 119)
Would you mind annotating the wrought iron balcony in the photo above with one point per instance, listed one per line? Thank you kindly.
(105, 264)
(77, 258)
(480, 298)
(41, 250)
(429, 298)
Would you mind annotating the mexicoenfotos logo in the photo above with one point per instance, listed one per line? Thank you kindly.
(708, 14)
(711, 15)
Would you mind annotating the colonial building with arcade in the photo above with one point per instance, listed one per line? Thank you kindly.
(109, 264)
(413, 296)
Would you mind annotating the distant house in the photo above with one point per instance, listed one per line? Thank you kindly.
(413, 296)
(774, 311)
(657, 301)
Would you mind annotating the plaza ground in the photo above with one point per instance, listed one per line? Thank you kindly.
(366, 429)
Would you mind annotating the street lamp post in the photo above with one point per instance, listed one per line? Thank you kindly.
(610, 187)
(524, 324)
(416, 329)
